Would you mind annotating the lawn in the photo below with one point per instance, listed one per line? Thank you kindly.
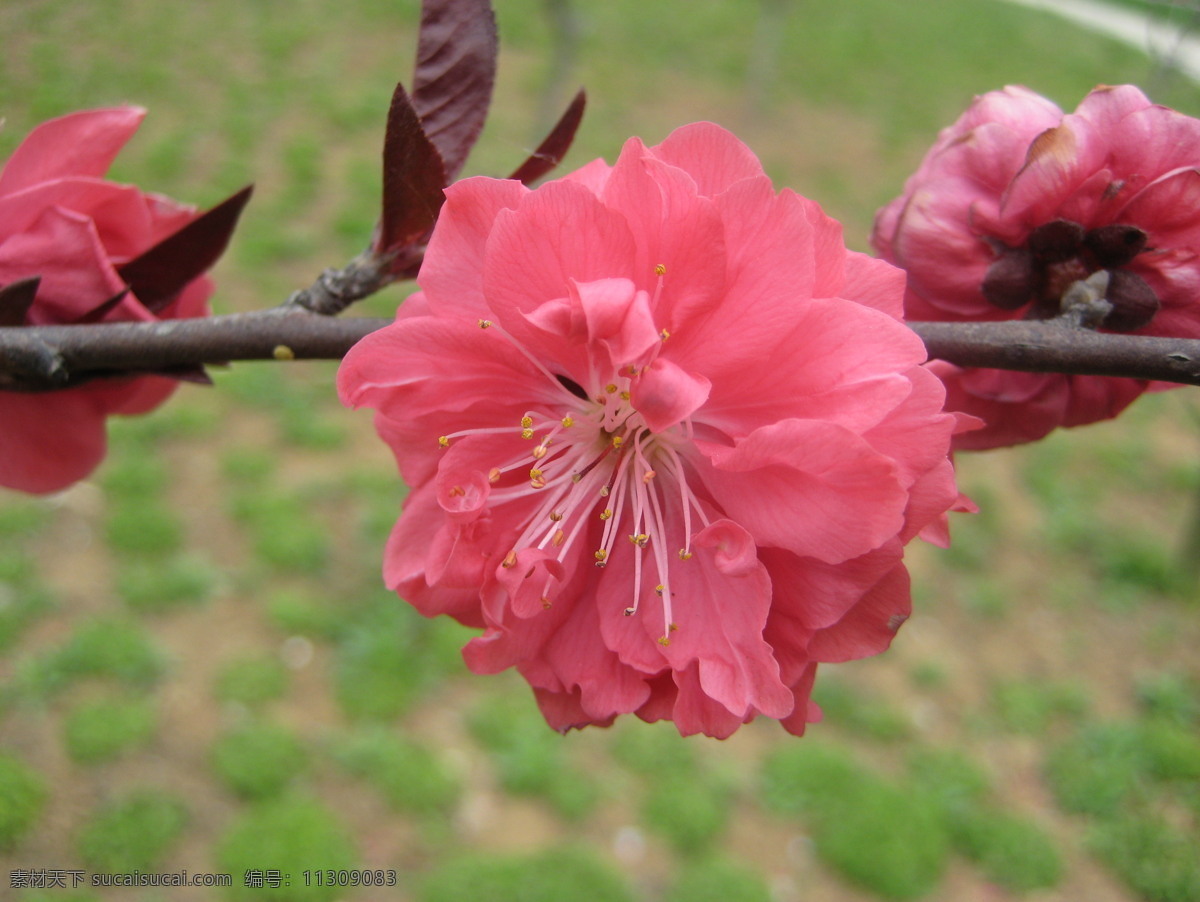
(199, 667)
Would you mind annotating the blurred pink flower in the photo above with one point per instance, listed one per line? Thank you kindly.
(665, 436)
(1016, 202)
(60, 221)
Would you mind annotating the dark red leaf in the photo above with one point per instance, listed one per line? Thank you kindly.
(193, 373)
(454, 75)
(551, 151)
(158, 275)
(97, 314)
(15, 300)
(413, 178)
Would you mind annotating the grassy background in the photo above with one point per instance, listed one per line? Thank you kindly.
(199, 669)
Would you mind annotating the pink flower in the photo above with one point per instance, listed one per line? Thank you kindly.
(666, 437)
(60, 221)
(1014, 204)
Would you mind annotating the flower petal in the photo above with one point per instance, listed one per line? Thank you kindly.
(814, 488)
(78, 144)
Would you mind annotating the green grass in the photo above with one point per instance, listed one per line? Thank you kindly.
(167, 585)
(110, 649)
(252, 681)
(718, 880)
(258, 760)
(99, 731)
(885, 838)
(258, 493)
(132, 833)
(691, 815)
(549, 876)
(529, 760)
(23, 793)
(291, 835)
(408, 774)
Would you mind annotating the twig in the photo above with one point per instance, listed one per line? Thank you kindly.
(1057, 348)
(39, 358)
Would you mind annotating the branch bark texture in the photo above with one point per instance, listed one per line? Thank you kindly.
(39, 358)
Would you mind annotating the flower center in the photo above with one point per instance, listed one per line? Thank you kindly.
(595, 472)
(1059, 254)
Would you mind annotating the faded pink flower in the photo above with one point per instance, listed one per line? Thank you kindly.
(665, 436)
(61, 221)
(1014, 204)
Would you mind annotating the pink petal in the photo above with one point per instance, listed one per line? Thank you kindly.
(665, 395)
(680, 241)
(712, 156)
(811, 487)
(49, 441)
(870, 626)
(561, 233)
(63, 248)
(451, 276)
(78, 144)
(617, 318)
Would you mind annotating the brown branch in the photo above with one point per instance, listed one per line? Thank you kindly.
(39, 358)
(1059, 348)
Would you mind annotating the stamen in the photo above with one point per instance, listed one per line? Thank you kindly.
(485, 324)
(444, 441)
(510, 559)
(601, 557)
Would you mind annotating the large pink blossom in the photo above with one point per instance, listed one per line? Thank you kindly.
(665, 436)
(1014, 204)
(61, 221)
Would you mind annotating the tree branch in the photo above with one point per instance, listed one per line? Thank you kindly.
(41, 358)
(1048, 346)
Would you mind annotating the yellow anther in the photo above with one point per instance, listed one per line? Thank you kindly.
(629, 612)
(673, 627)
(648, 475)
(664, 334)
(624, 396)
(684, 554)
(537, 478)
(283, 352)
(601, 557)
(559, 538)
(555, 516)
(611, 388)
(660, 269)
(640, 539)
(568, 422)
(527, 422)
(457, 491)
(664, 641)
(539, 452)
(546, 603)
(526, 433)
(632, 371)
(606, 514)
(510, 559)
(604, 491)
(494, 475)
(485, 324)
(658, 590)
(618, 441)
(575, 477)
(444, 441)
